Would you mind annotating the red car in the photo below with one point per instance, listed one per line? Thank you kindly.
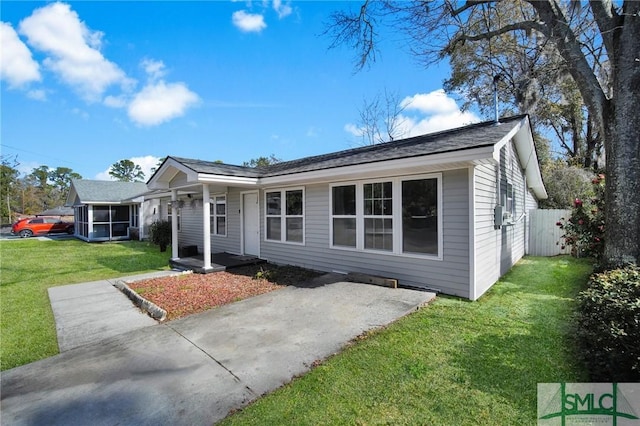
(41, 226)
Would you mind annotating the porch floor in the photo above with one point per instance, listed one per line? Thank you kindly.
(219, 262)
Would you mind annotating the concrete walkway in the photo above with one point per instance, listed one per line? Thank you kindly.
(90, 312)
(195, 370)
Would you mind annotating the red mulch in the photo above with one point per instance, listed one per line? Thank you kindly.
(187, 294)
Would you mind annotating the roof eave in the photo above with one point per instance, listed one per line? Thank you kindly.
(439, 161)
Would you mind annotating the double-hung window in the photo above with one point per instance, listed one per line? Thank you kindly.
(398, 215)
(344, 215)
(218, 212)
(378, 216)
(284, 219)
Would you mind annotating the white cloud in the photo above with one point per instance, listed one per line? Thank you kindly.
(73, 50)
(436, 102)
(283, 10)
(248, 22)
(353, 129)
(17, 66)
(37, 94)
(116, 101)
(426, 113)
(154, 69)
(160, 102)
(146, 163)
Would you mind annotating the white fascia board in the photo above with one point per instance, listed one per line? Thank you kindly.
(463, 156)
(523, 140)
(529, 162)
(161, 179)
(227, 180)
(107, 203)
(502, 142)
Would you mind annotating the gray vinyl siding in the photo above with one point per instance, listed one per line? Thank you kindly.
(191, 229)
(497, 250)
(449, 275)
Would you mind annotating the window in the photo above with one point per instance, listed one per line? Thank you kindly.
(378, 216)
(400, 216)
(509, 204)
(219, 215)
(284, 215)
(135, 213)
(420, 216)
(344, 215)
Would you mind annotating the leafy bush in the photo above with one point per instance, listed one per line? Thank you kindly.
(609, 325)
(160, 233)
(584, 230)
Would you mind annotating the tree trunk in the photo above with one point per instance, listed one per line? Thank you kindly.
(622, 146)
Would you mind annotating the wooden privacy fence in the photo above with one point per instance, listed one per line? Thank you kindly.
(544, 235)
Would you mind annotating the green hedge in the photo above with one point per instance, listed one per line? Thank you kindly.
(609, 325)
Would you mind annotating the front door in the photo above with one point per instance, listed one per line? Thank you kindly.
(251, 224)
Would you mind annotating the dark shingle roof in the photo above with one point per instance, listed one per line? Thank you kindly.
(212, 167)
(107, 191)
(468, 137)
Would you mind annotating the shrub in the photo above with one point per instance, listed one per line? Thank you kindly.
(609, 325)
(160, 233)
(584, 230)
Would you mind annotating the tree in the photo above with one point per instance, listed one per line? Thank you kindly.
(126, 171)
(8, 185)
(60, 179)
(565, 183)
(262, 161)
(436, 29)
(38, 181)
(532, 79)
(380, 119)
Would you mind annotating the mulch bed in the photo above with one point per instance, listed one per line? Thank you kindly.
(188, 294)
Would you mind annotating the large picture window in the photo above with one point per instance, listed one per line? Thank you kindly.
(219, 215)
(420, 216)
(284, 218)
(400, 216)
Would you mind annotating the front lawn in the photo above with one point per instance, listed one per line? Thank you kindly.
(452, 362)
(29, 267)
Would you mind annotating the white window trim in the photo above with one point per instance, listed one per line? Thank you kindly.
(396, 216)
(213, 214)
(283, 216)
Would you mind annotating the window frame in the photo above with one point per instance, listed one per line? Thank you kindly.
(213, 214)
(396, 216)
(283, 215)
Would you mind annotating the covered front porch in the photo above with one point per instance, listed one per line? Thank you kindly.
(219, 262)
(211, 206)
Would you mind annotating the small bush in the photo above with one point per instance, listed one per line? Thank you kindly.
(609, 325)
(160, 233)
(584, 230)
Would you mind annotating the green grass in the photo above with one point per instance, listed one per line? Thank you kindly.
(453, 362)
(29, 267)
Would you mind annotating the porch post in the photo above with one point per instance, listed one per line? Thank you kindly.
(206, 225)
(174, 224)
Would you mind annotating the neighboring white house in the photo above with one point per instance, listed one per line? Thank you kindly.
(109, 211)
(445, 211)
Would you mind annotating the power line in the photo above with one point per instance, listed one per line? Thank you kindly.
(39, 154)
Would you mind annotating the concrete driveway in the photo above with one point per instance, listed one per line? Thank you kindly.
(195, 370)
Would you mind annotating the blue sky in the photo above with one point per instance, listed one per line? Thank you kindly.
(86, 84)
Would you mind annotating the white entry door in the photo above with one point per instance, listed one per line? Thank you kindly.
(251, 223)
